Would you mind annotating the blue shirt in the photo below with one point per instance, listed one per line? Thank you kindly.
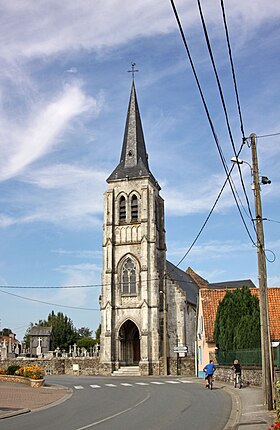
(209, 369)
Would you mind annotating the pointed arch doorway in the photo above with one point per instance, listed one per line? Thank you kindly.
(129, 344)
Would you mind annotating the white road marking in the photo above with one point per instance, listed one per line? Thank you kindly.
(187, 382)
(115, 415)
(95, 386)
(141, 383)
(110, 385)
(127, 385)
(78, 387)
(172, 382)
(157, 383)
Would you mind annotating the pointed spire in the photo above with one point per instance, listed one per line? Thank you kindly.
(134, 157)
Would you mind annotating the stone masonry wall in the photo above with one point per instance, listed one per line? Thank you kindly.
(250, 375)
(92, 366)
(60, 366)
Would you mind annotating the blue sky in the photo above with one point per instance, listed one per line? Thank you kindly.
(64, 91)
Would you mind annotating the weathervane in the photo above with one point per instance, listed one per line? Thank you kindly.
(133, 71)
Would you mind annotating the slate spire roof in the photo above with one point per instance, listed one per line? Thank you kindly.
(134, 157)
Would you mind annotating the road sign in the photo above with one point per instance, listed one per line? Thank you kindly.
(180, 349)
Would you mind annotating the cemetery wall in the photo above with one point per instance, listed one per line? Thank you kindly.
(91, 365)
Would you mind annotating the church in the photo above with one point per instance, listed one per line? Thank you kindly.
(148, 305)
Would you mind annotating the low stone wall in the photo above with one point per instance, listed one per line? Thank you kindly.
(92, 366)
(21, 379)
(62, 366)
(250, 375)
(82, 366)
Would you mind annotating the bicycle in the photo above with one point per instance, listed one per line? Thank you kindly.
(237, 380)
(210, 381)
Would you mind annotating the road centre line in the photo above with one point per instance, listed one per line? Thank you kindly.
(115, 415)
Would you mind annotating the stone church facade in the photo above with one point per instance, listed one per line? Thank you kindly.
(147, 304)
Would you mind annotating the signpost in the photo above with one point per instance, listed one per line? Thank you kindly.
(180, 351)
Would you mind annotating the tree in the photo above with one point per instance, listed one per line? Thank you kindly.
(63, 330)
(26, 338)
(86, 342)
(237, 324)
(84, 332)
(98, 333)
(5, 332)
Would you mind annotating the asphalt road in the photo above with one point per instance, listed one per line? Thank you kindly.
(130, 403)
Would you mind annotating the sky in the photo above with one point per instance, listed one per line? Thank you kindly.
(64, 92)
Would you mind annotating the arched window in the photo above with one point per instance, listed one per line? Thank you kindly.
(134, 208)
(128, 277)
(122, 209)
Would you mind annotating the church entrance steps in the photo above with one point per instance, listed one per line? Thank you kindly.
(127, 371)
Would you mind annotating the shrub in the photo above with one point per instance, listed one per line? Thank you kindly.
(12, 369)
(32, 372)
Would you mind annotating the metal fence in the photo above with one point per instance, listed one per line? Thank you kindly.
(247, 357)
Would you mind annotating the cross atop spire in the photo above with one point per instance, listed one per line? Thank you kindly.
(134, 158)
(133, 70)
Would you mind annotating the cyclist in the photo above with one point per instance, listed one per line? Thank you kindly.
(237, 373)
(209, 370)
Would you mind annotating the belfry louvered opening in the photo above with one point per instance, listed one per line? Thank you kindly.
(122, 210)
(134, 208)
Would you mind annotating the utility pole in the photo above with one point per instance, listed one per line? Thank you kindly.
(267, 369)
(165, 370)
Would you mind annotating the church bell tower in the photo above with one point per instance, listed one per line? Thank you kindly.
(134, 258)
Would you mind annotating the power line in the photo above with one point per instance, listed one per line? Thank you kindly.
(48, 303)
(206, 220)
(208, 116)
(271, 220)
(232, 70)
(39, 287)
(223, 99)
(268, 135)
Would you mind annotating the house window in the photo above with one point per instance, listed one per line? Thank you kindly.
(128, 277)
(134, 208)
(201, 325)
(200, 355)
(122, 210)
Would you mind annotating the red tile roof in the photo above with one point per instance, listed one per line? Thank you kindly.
(211, 299)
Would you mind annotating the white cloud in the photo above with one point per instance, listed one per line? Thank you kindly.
(78, 253)
(80, 274)
(273, 281)
(6, 221)
(189, 200)
(49, 27)
(214, 249)
(64, 176)
(22, 146)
